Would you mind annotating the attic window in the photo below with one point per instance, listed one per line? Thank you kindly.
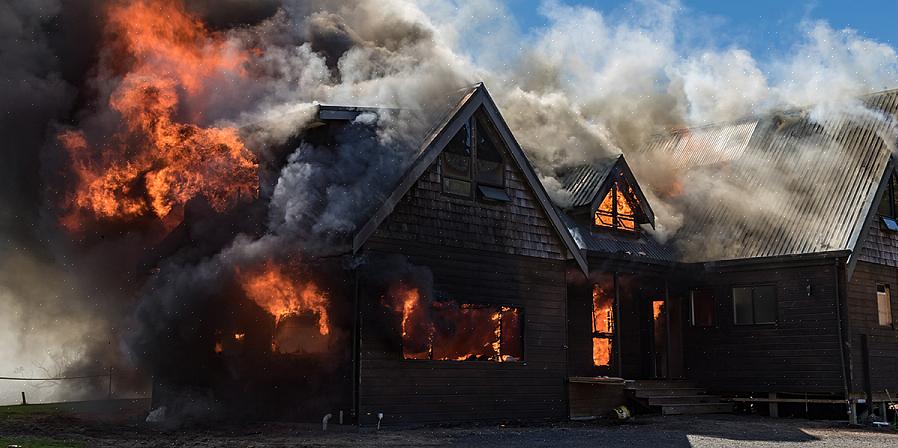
(888, 206)
(473, 158)
(616, 211)
(456, 164)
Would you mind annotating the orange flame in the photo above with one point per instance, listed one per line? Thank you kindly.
(603, 324)
(624, 216)
(154, 164)
(447, 331)
(281, 296)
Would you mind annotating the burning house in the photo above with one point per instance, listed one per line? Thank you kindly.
(777, 288)
(262, 255)
(445, 302)
(464, 292)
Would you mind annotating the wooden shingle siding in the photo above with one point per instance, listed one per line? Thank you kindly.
(882, 341)
(420, 391)
(428, 216)
(798, 354)
(880, 246)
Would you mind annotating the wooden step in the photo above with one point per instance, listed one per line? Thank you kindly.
(659, 384)
(669, 392)
(682, 399)
(697, 408)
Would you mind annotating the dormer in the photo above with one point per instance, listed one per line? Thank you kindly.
(605, 195)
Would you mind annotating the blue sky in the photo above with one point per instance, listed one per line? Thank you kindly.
(764, 27)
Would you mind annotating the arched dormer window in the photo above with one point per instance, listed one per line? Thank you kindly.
(617, 210)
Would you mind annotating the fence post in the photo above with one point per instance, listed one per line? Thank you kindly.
(110, 382)
(23, 398)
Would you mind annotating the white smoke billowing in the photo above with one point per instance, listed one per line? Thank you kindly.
(587, 85)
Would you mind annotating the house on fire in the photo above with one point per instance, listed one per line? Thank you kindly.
(474, 295)
(776, 290)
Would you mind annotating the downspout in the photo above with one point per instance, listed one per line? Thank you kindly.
(843, 347)
(356, 346)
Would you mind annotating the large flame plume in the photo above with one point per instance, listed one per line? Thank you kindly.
(153, 164)
(282, 295)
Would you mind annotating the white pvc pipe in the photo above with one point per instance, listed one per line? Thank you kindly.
(324, 422)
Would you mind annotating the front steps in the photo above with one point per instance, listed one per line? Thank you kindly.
(676, 397)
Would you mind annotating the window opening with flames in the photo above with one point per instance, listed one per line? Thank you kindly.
(602, 323)
(617, 210)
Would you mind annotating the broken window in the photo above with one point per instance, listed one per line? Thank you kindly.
(616, 210)
(754, 305)
(465, 332)
(701, 304)
(884, 305)
(474, 158)
(602, 323)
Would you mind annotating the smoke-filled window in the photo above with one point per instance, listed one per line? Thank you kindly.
(457, 164)
(617, 209)
(473, 158)
(490, 164)
(463, 332)
(754, 305)
(602, 322)
(701, 304)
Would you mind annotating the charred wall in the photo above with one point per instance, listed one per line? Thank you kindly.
(797, 354)
(874, 363)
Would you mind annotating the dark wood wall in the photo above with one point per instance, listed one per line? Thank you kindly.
(799, 354)
(520, 227)
(420, 391)
(881, 359)
(479, 252)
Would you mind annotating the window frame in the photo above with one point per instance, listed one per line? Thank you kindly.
(752, 287)
(474, 124)
(521, 316)
(713, 296)
(610, 336)
(889, 197)
(615, 220)
(888, 293)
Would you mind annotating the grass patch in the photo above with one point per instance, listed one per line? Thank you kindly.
(31, 409)
(39, 442)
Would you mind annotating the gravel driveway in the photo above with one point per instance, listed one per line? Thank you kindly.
(654, 432)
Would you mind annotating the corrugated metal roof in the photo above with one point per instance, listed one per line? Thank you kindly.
(637, 246)
(582, 183)
(781, 184)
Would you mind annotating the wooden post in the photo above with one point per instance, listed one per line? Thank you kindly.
(110, 383)
(773, 406)
(23, 399)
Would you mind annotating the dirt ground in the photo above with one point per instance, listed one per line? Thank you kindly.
(69, 428)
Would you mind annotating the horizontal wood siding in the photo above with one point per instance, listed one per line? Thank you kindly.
(798, 354)
(519, 227)
(419, 391)
(882, 341)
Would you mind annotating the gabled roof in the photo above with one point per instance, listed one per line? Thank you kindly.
(586, 185)
(433, 145)
(583, 188)
(781, 184)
